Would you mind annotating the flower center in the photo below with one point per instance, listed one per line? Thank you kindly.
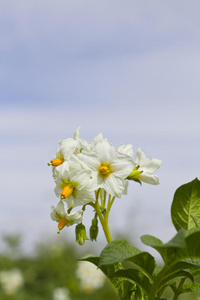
(62, 222)
(104, 170)
(55, 162)
(66, 192)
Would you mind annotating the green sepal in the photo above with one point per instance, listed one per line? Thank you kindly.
(134, 175)
(69, 210)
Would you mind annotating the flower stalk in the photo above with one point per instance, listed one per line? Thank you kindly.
(103, 214)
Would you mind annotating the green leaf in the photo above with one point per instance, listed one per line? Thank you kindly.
(139, 295)
(182, 265)
(191, 287)
(122, 287)
(185, 245)
(192, 239)
(186, 205)
(168, 250)
(121, 250)
(171, 278)
(136, 276)
(171, 273)
(117, 251)
(145, 262)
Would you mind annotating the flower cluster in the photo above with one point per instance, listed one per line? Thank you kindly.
(84, 171)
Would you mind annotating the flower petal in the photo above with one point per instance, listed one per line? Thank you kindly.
(76, 133)
(106, 152)
(123, 165)
(59, 210)
(90, 159)
(75, 217)
(67, 147)
(82, 177)
(151, 165)
(126, 149)
(114, 185)
(83, 197)
(149, 178)
(140, 156)
(125, 187)
(97, 139)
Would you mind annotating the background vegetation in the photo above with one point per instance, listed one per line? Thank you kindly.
(50, 274)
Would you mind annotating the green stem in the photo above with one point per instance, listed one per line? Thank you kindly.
(176, 295)
(104, 197)
(154, 289)
(103, 221)
(103, 213)
(110, 203)
(102, 201)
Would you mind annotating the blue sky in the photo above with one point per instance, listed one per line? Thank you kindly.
(128, 69)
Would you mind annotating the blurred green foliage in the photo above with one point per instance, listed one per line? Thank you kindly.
(54, 265)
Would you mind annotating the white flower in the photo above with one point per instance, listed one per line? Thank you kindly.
(145, 168)
(59, 214)
(61, 293)
(126, 149)
(72, 182)
(96, 140)
(109, 168)
(68, 147)
(11, 281)
(90, 276)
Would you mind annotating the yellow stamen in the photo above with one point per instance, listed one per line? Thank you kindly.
(62, 222)
(56, 162)
(67, 191)
(104, 170)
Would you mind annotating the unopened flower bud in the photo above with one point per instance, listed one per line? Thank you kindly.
(94, 229)
(81, 234)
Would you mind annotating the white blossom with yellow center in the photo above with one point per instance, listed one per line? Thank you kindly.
(59, 214)
(67, 148)
(72, 182)
(146, 167)
(109, 168)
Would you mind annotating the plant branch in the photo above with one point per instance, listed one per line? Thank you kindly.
(176, 295)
